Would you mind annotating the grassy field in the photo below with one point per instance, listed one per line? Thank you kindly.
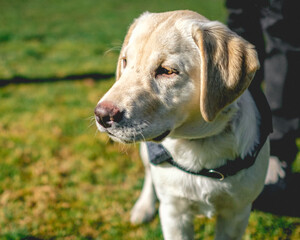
(59, 177)
(74, 37)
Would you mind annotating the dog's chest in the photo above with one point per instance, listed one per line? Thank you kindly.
(207, 194)
(203, 194)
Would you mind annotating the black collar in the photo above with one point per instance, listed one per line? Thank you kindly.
(158, 154)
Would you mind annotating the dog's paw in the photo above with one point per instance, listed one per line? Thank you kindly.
(142, 212)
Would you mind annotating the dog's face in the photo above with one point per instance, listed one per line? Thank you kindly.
(176, 71)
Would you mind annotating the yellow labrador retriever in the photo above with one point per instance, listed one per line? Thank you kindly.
(182, 81)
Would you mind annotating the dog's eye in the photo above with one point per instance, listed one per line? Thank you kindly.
(165, 71)
(124, 62)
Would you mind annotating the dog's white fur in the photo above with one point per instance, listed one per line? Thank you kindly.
(205, 105)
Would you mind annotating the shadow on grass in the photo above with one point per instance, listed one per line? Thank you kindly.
(23, 79)
(282, 202)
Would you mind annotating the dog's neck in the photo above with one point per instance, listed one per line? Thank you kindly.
(219, 141)
(196, 127)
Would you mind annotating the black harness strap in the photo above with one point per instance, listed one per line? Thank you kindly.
(158, 154)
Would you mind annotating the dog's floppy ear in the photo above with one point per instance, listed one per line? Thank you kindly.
(227, 64)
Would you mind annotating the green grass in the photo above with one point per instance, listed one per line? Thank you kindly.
(59, 177)
(40, 38)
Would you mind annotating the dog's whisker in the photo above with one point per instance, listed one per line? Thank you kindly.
(143, 137)
(90, 118)
(123, 148)
(107, 141)
(96, 132)
(134, 137)
(92, 124)
(141, 133)
(117, 48)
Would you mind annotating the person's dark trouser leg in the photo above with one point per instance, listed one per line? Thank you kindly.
(282, 84)
(282, 76)
(279, 20)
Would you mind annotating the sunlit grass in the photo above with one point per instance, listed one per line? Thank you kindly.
(59, 38)
(59, 177)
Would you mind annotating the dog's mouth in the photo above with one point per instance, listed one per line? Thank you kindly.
(156, 139)
(118, 139)
(161, 137)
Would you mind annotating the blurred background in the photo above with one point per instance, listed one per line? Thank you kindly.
(59, 177)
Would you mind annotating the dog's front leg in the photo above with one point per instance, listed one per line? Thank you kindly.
(232, 225)
(177, 222)
(144, 208)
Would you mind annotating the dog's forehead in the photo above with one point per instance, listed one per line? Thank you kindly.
(158, 34)
(154, 31)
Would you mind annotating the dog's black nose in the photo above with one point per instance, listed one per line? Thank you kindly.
(107, 113)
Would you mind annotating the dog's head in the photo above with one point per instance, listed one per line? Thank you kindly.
(176, 71)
